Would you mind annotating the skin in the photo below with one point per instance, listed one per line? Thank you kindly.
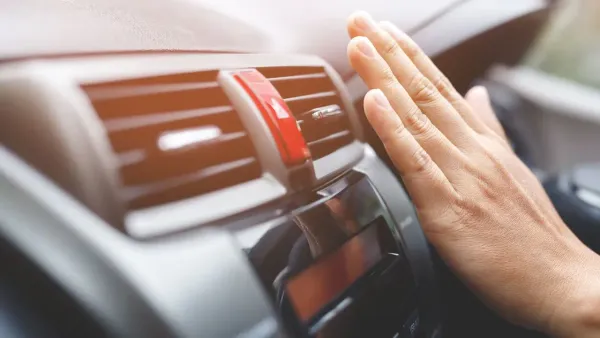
(478, 204)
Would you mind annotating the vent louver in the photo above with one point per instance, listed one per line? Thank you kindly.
(304, 89)
(175, 137)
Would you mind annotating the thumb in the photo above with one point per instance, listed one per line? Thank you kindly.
(479, 100)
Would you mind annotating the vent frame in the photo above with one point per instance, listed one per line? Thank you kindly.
(71, 73)
(139, 114)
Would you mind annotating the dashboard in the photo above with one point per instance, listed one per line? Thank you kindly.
(155, 182)
(206, 187)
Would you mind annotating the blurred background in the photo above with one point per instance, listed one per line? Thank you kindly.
(550, 101)
(570, 47)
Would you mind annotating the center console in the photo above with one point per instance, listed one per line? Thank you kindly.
(337, 267)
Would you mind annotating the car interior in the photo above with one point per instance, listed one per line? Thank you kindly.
(203, 168)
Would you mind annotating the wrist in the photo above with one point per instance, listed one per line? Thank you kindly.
(579, 312)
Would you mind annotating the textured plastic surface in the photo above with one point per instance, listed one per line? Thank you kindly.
(176, 286)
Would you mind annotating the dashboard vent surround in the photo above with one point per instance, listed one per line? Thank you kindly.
(175, 137)
(305, 89)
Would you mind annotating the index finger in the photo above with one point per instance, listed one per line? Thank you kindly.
(422, 91)
(376, 73)
(432, 72)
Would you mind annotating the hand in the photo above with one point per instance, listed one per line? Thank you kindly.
(478, 204)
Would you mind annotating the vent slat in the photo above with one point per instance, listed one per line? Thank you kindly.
(328, 145)
(192, 185)
(310, 96)
(127, 91)
(291, 88)
(275, 72)
(159, 165)
(147, 136)
(160, 102)
(329, 138)
(126, 123)
(298, 77)
(313, 131)
(304, 90)
(174, 137)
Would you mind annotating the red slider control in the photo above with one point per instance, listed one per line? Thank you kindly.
(281, 122)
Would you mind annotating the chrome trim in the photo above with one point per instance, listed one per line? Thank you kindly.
(322, 113)
(298, 77)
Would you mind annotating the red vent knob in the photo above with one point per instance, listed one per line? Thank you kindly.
(282, 124)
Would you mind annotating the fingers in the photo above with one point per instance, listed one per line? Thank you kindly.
(377, 74)
(430, 70)
(422, 177)
(479, 100)
(422, 91)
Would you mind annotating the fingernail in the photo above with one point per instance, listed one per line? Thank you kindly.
(365, 22)
(365, 47)
(380, 99)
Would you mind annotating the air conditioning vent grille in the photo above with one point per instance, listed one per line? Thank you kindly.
(304, 89)
(175, 137)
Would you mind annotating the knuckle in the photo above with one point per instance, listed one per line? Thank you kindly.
(486, 186)
(398, 132)
(441, 83)
(391, 48)
(467, 209)
(488, 191)
(496, 164)
(422, 90)
(417, 122)
(421, 162)
(446, 89)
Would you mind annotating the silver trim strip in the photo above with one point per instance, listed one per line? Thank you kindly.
(298, 77)
(310, 96)
(183, 139)
(321, 113)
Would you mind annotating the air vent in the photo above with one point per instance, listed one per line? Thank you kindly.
(175, 137)
(305, 89)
